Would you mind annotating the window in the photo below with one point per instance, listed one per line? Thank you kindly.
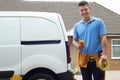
(116, 49)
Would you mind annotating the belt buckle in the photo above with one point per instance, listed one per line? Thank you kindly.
(91, 58)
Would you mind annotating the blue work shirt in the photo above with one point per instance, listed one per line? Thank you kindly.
(90, 32)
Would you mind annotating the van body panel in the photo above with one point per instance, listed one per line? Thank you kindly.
(49, 53)
(10, 49)
(38, 28)
(61, 23)
(45, 59)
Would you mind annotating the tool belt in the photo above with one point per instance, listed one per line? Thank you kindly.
(85, 58)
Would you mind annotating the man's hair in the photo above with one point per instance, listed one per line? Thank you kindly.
(83, 3)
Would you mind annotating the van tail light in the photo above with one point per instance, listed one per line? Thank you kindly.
(68, 53)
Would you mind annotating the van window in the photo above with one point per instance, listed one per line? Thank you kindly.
(36, 28)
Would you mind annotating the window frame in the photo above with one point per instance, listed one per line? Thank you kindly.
(112, 49)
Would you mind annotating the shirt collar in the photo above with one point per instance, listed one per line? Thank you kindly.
(91, 19)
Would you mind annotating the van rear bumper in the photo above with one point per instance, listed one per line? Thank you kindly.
(66, 76)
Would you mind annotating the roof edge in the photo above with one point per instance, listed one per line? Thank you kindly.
(113, 34)
(106, 8)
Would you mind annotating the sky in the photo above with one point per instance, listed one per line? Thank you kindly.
(110, 4)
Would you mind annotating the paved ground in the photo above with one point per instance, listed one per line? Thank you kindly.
(110, 75)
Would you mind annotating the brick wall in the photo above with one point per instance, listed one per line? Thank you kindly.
(114, 64)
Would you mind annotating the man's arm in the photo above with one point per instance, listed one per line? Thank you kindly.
(104, 46)
(76, 44)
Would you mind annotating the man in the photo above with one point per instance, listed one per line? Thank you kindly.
(92, 31)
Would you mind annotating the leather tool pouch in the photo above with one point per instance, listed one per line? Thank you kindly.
(85, 58)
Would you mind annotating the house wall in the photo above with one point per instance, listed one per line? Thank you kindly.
(114, 64)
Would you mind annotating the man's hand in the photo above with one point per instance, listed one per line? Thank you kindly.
(103, 57)
(82, 43)
(79, 46)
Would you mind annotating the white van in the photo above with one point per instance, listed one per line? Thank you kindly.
(33, 45)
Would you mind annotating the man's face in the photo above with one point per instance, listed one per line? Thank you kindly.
(84, 11)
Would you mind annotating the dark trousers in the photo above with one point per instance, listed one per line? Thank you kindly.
(92, 70)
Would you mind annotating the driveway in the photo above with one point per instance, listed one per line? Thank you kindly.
(110, 75)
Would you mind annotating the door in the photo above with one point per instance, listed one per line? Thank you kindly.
(10, 51)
